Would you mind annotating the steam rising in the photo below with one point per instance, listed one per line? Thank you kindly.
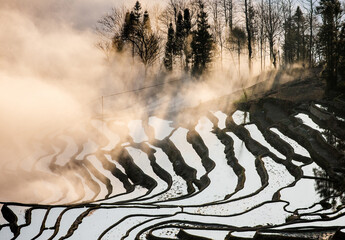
(52, 77)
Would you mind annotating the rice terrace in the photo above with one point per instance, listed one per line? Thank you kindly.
(172, 119)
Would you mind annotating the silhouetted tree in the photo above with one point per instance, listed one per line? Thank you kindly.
(272, 20)
(202, 43)
(330, 11)
(147, 22)
(179, 35)
(169, 49)
(137, 12)
(249, 16)
(299, 24)
(237, 40)
(187, 21)
(228, 7)
(341, 52)
(109, 29)
(311, 22)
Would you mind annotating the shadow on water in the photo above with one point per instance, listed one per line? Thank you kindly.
(333, 191)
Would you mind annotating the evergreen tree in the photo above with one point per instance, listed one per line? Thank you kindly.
(187, 39)
(299, 23)
(202, 43)
(187, 22)
(137, 13)
(169, 49)
(289, 42)
(295, 45)
(147, 22)
(128, 26)
(330, 11)
(341, 52)
(179, 35)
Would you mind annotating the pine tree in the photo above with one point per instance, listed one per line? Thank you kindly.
(187, 39)
(330, 11)
(137, 11)
(202, 43)
(179, 35)
(295, 47)
(128, 26)
(289, 42)
(341, 52)
(169, 49)
(147, 22)
(299, 23)
(187, 22)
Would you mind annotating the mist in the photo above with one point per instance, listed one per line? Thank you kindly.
(52, 77)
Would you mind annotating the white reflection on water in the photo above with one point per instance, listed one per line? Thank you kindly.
(241, 117)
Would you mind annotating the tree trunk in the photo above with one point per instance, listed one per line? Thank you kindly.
(249, 36)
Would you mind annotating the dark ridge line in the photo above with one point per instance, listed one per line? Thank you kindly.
(77, 222)
(307, 137)
(184, 225)
(208, 164)
(325, 206)
(79, 168)
(135, 174)
(28, 219)
(325, 120)
(228, 142)
(257, 115)
(182, 235)
(58, 220)
(115, 172)
(59, 170)
(43, 227)
(232, 228)
(259, 150)
(201, 149)
(158, 170)
(180, 167)
(335, 109)
(253, 146)
(219, 202)
(11, 218)
(99, 176)
(146, 221)
(235, 214)
(128, 216)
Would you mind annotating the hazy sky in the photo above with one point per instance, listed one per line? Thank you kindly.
(80, 14)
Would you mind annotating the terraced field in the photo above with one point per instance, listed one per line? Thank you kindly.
(266, 170)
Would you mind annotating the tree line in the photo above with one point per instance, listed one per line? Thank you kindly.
(189, 35)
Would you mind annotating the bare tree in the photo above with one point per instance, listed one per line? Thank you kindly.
(272, 22)
(228, 9)
(146, 43)
(236, 42)
(261, 31)
(218, 24)
(310, 7)
(109, 29)
(249, 16)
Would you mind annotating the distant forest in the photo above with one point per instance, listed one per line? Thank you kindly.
(190, 35)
